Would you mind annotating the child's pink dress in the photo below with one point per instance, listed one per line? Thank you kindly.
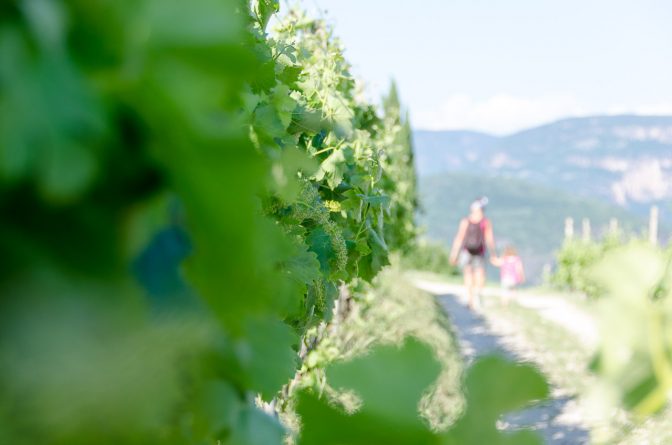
(510, 271)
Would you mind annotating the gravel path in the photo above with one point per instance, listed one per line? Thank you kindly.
(556, 419)
(554, 309)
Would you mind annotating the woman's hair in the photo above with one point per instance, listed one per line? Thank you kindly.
(510, 250)
(479, 203)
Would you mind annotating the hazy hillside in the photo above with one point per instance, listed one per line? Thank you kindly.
(625, 160)
(529, 217)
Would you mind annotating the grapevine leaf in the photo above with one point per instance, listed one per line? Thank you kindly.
(333, 168)
(632, 360)
(330, 295)
(264, 78)
(205, 22)
(309, 120)
(286, 183)
(303, 267)
(266, 355)
(290, 76)
(371, 377)
(50, 123)
(495, 387)
(339, 115)
(250, 101)
(218, 407)
(363, 247)
(69, 169)
(264, 9)
(390, 381)
(296, 160)
(370, 264)
(352, 201)
(267, 122)
(376, 200)
(284, 104)
(303, 271)
(319, 242)
(256, 428)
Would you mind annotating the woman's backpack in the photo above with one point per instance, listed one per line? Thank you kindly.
(474, 239)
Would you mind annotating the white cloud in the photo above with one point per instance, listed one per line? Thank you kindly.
(657, 109)
(505, 113)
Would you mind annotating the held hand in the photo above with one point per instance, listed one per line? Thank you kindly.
(453, 260)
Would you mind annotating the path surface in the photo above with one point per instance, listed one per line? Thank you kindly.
(555, 419)
(555, 309)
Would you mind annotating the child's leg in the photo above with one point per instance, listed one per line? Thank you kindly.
(513, 292)
(506, 294)
(507, 290)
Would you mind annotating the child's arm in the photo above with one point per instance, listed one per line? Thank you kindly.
(496, 261)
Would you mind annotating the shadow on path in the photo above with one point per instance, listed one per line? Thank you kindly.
(476, 339)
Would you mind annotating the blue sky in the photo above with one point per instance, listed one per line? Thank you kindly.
(503, 65)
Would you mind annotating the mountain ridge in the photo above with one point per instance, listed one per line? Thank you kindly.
(647, 118)
(622, 159)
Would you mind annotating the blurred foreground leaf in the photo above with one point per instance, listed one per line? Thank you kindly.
(390, 382)
(495, 387)
(635, 319)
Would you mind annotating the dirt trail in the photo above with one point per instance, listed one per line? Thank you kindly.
(553, 308)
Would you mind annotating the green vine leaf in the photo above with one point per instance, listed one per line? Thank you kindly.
(264, 10)
(333, 168)
(493, 387)
(390, 382)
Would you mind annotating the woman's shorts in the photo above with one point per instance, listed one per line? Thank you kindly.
(470, 260)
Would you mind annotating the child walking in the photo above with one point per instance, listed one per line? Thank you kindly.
(511, 272)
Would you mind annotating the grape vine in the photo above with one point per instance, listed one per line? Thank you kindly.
(181, 177)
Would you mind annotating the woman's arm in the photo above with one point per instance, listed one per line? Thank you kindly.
(457, 242)
(490, 239)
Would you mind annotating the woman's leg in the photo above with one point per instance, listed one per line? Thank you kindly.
(469, 284)
(478, 281)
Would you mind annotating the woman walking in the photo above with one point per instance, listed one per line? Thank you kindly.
(473, 239)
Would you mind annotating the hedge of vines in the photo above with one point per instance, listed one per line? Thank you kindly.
(182, 197)
(574, 260)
